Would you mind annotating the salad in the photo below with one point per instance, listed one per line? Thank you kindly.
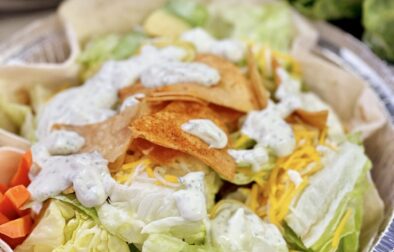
(193, 132)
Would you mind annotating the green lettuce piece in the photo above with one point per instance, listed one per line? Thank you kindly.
(336, 190)
(39, 96)
(144, 208)
(65, 228)
(378, 20)
(163, 242)
(72, 200)
(374, 214)
(328, 9)
(270, 24)
(355, 137)
(294, 242)
(234, 227)
(191, 11)
(107, 47)
(119, 219)
(17, 118)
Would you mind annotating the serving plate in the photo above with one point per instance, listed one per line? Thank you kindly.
(49, 45)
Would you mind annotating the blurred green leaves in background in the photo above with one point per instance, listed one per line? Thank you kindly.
(377, 17)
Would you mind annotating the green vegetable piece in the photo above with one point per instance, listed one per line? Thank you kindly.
(191, 11)
(328, 9)
(378, 20)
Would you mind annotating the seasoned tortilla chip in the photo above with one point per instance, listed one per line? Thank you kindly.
(164, 98)
(164, 129)
(228, 116)
(232, 91)
(256, 82)
(317, 119)
(156, 153)
(110, 137)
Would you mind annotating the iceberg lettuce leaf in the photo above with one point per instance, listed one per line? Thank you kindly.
(234, 227)
(108, 47)
(64, 228)
(333, 193)
(258, 23)
(193, 12)
(13, 117)
(163, 242)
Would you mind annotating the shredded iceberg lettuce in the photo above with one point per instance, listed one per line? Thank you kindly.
(236, 228)
(144, 208)
(193, 12)
(64, 228)
(107, 47)
(328, 214)
(269, 24)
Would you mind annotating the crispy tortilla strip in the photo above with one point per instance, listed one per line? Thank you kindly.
(164, 129)
(228, 116)
(110, 137)
(256, 82)
(316, 119)
(158, 154)
(174, 98)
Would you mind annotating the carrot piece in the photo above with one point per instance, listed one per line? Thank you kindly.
(21, 177)
(3, 219)
(3, 188)
(8, 209)
(13, 243)
(18, 195)
(17, 228)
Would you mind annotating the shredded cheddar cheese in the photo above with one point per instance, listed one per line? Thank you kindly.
(171, 178)
(272, 198)
(339, 230)
(126, 171)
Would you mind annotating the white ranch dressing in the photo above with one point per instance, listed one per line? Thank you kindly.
(131, 101)
(60, 142)
(173, 72)
(191, 202)
(269, 129)
(207, 131)
(93, 101)
(291, 98)
(85, 172)
(63, 142)
(229, 49)
(256, 158)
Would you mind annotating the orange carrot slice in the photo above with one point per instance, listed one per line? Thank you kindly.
(17, 228)
(18, 195)
(3, 218)
(21, 177)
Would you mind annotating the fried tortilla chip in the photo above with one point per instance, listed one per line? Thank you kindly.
(232, 91)
(156, 153)
(316, 119)
(227, 116)
(164, 98)
(110, 137)
(256, 82)
(164, 128)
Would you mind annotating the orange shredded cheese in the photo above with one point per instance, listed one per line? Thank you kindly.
(339, 230)
(279, 191)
